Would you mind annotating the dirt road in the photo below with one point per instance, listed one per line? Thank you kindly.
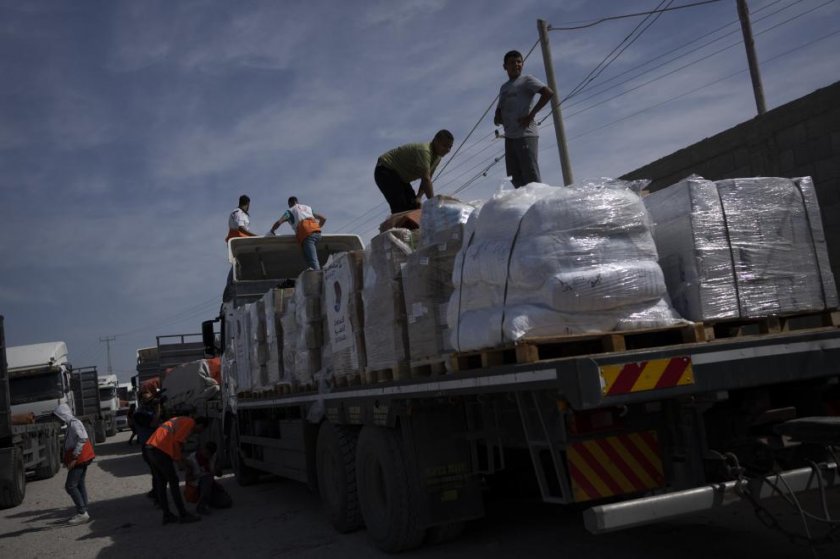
(282, 519)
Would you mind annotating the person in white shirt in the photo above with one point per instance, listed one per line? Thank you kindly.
(238, 222)
(307, 225)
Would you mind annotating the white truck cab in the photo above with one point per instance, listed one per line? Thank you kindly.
(39, 378)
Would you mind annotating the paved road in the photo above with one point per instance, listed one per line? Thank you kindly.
(283, 519)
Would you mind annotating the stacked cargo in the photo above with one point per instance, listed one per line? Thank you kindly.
(258, 346)
(742, 248)
(546, 261)
(275, 302)
(427, 277)
(344, 340)
(303, 329)
(385, 332)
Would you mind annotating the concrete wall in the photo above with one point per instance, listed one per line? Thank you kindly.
(797, 139)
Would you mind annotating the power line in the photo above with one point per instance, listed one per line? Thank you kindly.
(603, 19)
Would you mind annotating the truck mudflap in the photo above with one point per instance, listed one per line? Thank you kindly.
(648, 510)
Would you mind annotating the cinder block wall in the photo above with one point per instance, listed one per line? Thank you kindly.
(797, 139)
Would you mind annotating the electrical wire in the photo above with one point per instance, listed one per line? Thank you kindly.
(637, 14)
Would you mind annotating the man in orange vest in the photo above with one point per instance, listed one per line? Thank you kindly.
(78, 454)
(163, 449)
(307, 225)
(239, 222)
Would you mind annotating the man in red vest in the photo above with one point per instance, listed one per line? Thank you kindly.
(163, 449)
(78, 454)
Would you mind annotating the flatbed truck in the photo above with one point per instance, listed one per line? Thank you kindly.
(639, 428)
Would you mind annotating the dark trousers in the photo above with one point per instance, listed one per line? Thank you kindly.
(212, 494)
(163, 469)
(145, 453)
(521, 160)
(75, 487)
(399, 194)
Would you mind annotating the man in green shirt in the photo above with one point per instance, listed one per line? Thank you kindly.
(396, 169)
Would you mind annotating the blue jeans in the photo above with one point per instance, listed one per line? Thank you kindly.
(75, 487)
(310, 252)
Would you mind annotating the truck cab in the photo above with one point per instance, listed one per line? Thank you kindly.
(109, 402)
(39, 378)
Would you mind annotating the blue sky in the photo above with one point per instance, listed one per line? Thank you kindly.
(128, 129)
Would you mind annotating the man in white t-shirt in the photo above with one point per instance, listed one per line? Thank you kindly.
(238, 222)
(307, 225)
(514, 111)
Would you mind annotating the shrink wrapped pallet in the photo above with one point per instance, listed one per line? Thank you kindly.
(386, 336)
(427, 276)
(257, 345)
(275, 302)
(288, 322)
(344, 322)
(242, 355)
(543, 261)
(309, 326)
(742, 248)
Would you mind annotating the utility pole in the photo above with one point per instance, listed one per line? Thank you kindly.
(749, 43)
(108, 340)
(559, 131)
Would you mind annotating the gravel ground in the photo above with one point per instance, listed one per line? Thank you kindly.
(280, 518)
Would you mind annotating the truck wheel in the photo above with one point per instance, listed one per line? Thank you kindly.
(111, 427)
(244, 474)
(12, 479)
(387, 497)
(335, 460)
(99, 432)
(445, 533)
(50, 466)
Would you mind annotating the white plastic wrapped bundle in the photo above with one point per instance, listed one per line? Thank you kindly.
(288, 321)
(309, 325)
(257, 345)
(742, 248)
(344, 323)
(275, 302)
(442, 220)
(386, 336)
(541, 261)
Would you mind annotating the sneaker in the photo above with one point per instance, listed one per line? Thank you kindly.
(169, 518)
(188, 518)
(79, 519)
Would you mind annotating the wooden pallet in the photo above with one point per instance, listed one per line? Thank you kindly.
(734, 328)
(532, 350)
(430, 367)
(396, 372)
(353, 379)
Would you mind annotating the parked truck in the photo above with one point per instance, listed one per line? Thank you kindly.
(85, 385)
(33, 381)
(634, 427)
(109, 402)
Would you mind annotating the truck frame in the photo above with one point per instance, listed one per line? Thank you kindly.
(639, 427)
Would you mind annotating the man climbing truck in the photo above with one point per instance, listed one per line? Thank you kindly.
(635, 426)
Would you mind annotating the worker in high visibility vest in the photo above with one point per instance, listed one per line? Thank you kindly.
(239, 221)
(163, 449)
(307, 225)
(78, 454)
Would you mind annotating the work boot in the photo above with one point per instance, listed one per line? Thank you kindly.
(169, 518)
(187, 518)
(80, 518)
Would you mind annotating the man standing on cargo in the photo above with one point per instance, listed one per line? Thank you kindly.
(515, 112)
(164, 448)
(396, 169)
(238, 222)
(307, 225)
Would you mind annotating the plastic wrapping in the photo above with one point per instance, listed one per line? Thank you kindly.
(385, 331)
(275, 302)
(427, 276)
(257, 345)
(742, 248)
(344, 316)
(302, 324)
(541, 261)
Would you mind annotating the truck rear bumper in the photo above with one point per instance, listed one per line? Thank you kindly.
(648, 510)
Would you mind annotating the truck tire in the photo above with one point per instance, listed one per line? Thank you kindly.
(111, 427)
(12, 479)
(387, 496)
(335, 461)
(244, 474)
(99, 431)
(51, 464)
